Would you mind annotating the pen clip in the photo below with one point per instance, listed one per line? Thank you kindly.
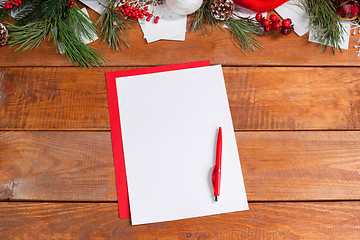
(213, 177)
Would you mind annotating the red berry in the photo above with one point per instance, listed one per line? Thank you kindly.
(145, 8)
(16, 4)
(258, 16)
(157, 17)
(148, 19)
(274, 18)
(265, 22)
(72, 3)
(275, 25)
(267, 29)
(285, 31)
(286, 23)
(150, 15)
(156, 21)
(7, 3)
(71, 6)
(127, 4)
(124, 13)
(141, 16)
(19, 1)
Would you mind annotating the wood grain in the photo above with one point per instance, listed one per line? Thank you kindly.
(57, 166)
(334, 220)
(261, 98)
(277, 166)
(218, 47)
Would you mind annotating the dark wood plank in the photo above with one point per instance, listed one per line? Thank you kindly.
(264, 98)
(298, 220)
(277, 166)
(218, 47)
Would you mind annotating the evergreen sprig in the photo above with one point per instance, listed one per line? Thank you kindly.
(29, 36)
(53, 19)
(201, 15)
(244, 31)
(113, 27)
(244, 34)
(325, 22)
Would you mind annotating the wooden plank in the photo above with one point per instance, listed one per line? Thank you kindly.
(277, 166)
(300, 165)
(297, 220)
(264, 98)
(218, 47)
(57, 166)
(53, 98)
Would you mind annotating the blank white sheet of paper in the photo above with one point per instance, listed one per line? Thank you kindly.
(169, 122)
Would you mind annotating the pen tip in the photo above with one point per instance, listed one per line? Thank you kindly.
(216, 198)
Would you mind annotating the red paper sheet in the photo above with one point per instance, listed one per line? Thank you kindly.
(118, 153)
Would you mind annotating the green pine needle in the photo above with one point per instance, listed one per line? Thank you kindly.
(75, 49)
(113, 27)
(29, 36)
(243, 30)
(325, 22)
(55, 20)
(201, 15)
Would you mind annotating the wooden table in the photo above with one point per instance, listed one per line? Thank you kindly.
(296, 113)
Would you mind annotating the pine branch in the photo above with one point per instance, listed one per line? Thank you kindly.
(113, 27)
(325, 22)
(65, 25)
(29, 36)
(202, 14)
(244, 32)
(75, 49)
(37, 10)
(81, 23)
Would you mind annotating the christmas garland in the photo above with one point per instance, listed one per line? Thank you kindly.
(64, 23)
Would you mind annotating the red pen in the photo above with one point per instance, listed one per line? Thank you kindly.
(216, 172)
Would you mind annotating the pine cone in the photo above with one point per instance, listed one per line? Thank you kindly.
(4, 34)
(222, 9)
